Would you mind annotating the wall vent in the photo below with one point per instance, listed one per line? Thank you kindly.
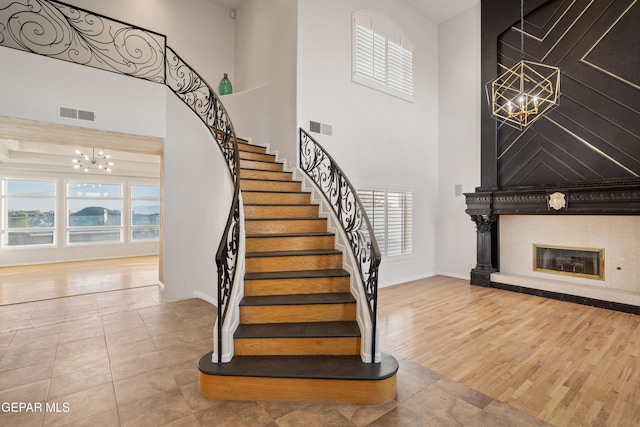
(86, 115)
(322, 128)
(68, 113)
(315, 127)
(72, 113)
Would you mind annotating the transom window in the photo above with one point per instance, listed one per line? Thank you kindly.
(382, 55)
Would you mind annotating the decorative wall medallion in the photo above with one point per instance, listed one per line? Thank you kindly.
(557, 201)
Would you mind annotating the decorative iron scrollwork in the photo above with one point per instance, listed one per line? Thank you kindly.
(74, 35)
(198, 95)
(348, 208)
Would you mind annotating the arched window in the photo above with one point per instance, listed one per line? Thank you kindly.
(382, 56)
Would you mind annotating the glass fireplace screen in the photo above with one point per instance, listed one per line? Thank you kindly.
(577, 262)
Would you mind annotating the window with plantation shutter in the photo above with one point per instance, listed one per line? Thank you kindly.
(390, 214)
(382, 56)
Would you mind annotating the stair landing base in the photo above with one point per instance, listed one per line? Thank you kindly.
(300, 378)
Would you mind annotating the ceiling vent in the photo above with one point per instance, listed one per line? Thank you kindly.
(72, 113)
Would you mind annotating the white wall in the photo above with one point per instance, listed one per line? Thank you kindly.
(197, 191)
(34, 87)
(380, 141)
(265, 63)
(201, 32)
(459, 98)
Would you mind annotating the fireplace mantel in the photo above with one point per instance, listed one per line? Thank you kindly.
(600, 198)
(486, 207)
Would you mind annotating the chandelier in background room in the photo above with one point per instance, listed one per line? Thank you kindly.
(99, 161)
(526, 91)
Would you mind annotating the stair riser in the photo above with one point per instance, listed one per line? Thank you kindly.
(296, 286)
(293, 263)
(295, 211)
(284, 226)
(252, 148)
(249, 184)
(357, 392)
(244, 155)
(261, 174)
(296, 346)
(271, 244)
(272, 198)
(265, 166)
(297, 313)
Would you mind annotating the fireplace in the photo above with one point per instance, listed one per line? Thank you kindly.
(572, 179)
(569, 261)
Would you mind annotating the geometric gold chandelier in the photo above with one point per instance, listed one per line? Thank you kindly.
(100, 161)
(526, 91)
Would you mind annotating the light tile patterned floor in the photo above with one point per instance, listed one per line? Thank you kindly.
(124, 358)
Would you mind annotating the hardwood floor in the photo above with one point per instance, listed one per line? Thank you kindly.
(41, 282)
(564, 363)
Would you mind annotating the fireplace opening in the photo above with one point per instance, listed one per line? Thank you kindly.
(571, 261)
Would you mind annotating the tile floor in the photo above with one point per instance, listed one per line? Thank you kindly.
(124, 358)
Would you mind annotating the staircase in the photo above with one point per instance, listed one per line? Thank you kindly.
(298, 338)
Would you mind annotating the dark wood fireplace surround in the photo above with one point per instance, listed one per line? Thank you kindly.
(587, 150)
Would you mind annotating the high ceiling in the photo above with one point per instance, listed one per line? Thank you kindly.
(436, 10)
(56, 155)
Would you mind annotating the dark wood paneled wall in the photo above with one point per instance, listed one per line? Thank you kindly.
(594, 135)
(587, 150)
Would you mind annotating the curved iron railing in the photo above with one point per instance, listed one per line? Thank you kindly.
(61, 31)
(343, 198)
(199, 96)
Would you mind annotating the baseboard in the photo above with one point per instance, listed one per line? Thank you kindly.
(211, 300)
(454, 275)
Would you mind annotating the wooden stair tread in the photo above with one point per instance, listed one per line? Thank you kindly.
(264, 170)
(284, 205)
(271, 180)
(302, 274)
(306, 252)
(284, 235)
(297, 299)
(286, 219)
(299, 330)
(276, 191)
(309, 367)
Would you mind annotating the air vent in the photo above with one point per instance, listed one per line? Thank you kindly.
(322, 128)
(72, 113)
(68, 113)
(315, 127)
(86, 115)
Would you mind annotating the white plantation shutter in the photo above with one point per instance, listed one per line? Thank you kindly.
(399, 223)
(374, 205)
(370, 54)
(400, 67)
(382, 57)
(390, 214)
